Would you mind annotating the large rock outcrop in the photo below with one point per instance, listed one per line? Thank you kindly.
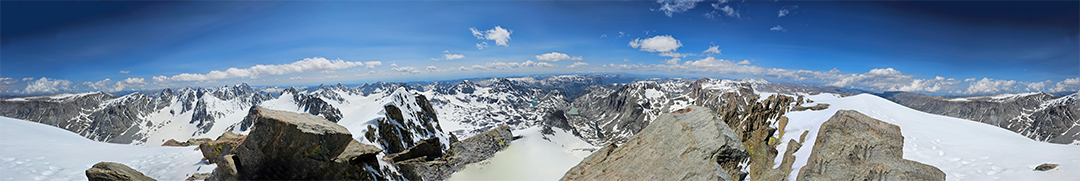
(424, 161)
(853, 146)
(110, 171)
(293, 146)
(686, 145)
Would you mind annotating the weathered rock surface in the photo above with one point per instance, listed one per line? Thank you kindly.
(189, 142)
(110, 171)
(1046, 167)
(687, 145)
(853, 146)
(421, 164)
(284, 145)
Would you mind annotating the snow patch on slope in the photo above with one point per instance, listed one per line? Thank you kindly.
(534, 157)
(963, 149)
(35, 151)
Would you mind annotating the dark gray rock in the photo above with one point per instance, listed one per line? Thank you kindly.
(1046, 167)
(110, 171)
(853, 146)
(471, 150)
(678, 146)
(290, 146)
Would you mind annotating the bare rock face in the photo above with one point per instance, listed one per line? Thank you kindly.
(284, 145)
(853, 146)
(289, 146)
(110, 171)
(686, 145)
(422, 162)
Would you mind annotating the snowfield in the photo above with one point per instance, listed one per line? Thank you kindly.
(963, 149)
(35, 151)
(531, 158)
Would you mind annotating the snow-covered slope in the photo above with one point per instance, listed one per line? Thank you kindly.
(963, 149)
(35, 151)
(535, 156)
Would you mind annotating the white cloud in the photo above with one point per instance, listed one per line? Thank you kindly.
(372, 64)
(135, 81)
(1067, 85)
(672, 61)
(987, 85)
(432, 68)
(296, 78)
(674, 54)
(27, 79)
(730, 11)
(556, 56)
(777, 28)
(498, 34)
(744, 62)
(676, 6)
(626, 60)
(499, 65)
(577, 64)
(783, 12)
(125, 72)
(481, 45)
(8, 80)
(393, 64)
(406, 69)
(46, 85)
(119, 86)
(453, 56)
(661, 43)
(712, 50)
(316, 64)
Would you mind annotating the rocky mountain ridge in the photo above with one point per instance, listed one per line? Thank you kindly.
(1039, 116)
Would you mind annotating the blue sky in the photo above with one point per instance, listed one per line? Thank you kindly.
(928, 47)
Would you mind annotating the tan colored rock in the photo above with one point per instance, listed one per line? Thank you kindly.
(111, 171)
(686, 146)
(853, 146)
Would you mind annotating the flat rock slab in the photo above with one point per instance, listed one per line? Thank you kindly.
(685, 145)
(853, 146)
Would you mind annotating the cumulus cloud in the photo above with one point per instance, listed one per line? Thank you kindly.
(406, 69)
(556, 56)
(46, 85)
(577, 64)
(777, 28)
(670, 7)
(7, 80)
(783, 12)
(744, 62)
(987, 85)
(372, 64)
(27, 79)
(660, 43)
(712, 50)
(125, 72)
(317, 64)
(497, 34)
(432, 68)
(1067, 85)
(449, 56)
